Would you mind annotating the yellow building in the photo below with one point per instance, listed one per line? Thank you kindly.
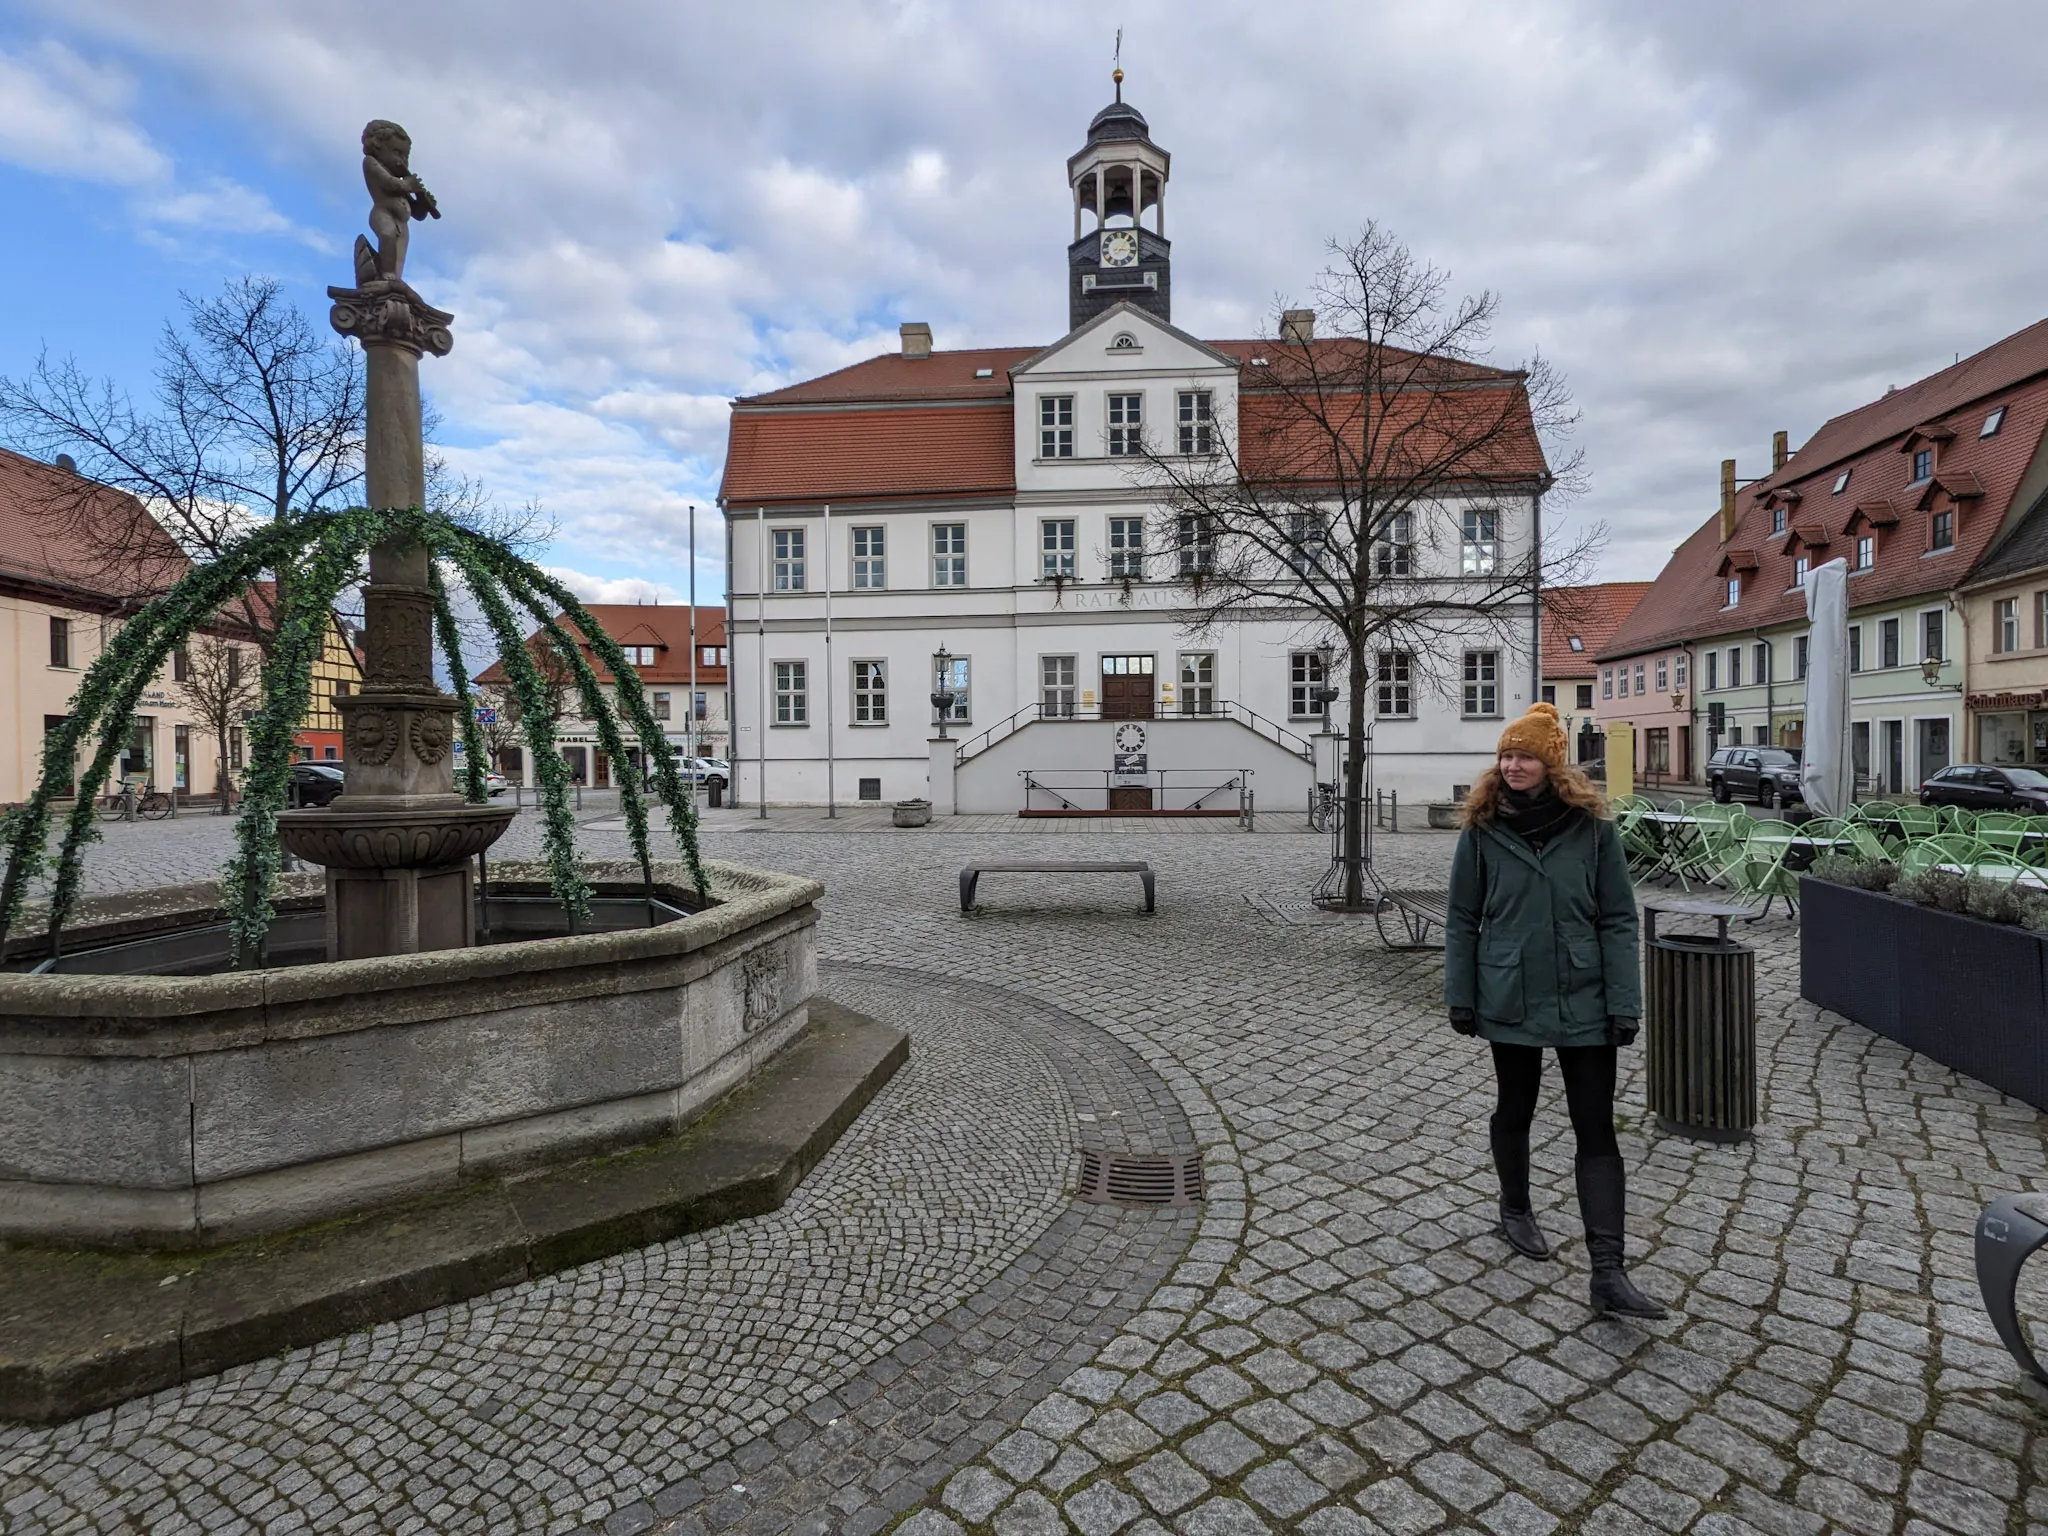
(338, 671)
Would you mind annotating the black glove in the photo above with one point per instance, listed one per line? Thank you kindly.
(1621, 1031)
(1465, 1021)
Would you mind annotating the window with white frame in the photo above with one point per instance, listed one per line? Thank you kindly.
(1127, 546)
(1923, 464)
(1866, 551)
(640, 655)
(1394, 675)
(1482, 685)
(1734, 591)
(869, 572)
(870, 693)
(1855, 647)
(2005, 624)
(955, 680)
(1304, 676)
(1056, 683)
(949, 554)
(1931, 635)
(1802, 649)
(1307, 535)
(1394, 554)
(1777, 519)
(1713, 671)
(1887, 642)
(1607, 682)
(1126, 426)
(789, 559)
(1800, 566)
(1622, 679)
(660, 703)
(1734, 666)
(792, 693)
(1198, 682)
(1195, 535)
(1479, 554)
(1055, 426)
(1056, 547)
(1941, 531)
(1197, 431)
(1640, 689)
(2041, 620)
(1678, 668)
(1663, 675)
(1763, 662)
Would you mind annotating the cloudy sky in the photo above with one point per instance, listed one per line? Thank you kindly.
(1720, 219)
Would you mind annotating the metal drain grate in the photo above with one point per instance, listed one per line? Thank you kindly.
(1123, 1178)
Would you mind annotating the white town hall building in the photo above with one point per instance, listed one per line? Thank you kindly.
(968, 522)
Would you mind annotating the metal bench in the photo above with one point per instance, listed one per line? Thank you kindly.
(1418, 914)
(970, 877)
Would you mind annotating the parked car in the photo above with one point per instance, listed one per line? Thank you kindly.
(708, 772)
(315, 783)
(1982, 788)
(495, 783)
(1767, 775)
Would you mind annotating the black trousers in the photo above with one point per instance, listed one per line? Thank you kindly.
(1588, 1092)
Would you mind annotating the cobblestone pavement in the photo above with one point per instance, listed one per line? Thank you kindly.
(1338, 1345)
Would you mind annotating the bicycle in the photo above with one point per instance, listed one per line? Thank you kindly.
(151, 803)
(1322, 807)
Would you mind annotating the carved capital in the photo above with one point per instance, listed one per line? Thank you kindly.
(386, 312)
(398, 638)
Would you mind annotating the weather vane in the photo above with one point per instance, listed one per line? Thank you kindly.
(1117, 60)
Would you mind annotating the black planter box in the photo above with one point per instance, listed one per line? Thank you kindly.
(1970, 994)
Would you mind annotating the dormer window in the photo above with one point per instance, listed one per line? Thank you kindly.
(1734, 591)
(1799, 570)
(1993, 422)
(1941, 531)
(1841, 482)
(1923, 464)
(1777, 519)
(1866, 552)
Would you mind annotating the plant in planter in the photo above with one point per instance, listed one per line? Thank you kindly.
(1954, 968)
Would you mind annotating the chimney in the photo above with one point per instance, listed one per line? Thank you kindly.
(1727, 500)
(1781, 450)
(917, 338)
(1298, 326)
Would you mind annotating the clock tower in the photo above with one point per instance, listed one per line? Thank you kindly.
(1118, 175)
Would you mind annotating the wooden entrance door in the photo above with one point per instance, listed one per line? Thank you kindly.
(1127, 687)
(1130, 797)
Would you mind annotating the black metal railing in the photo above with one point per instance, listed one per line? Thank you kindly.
(1227, 709)
(1198, 789)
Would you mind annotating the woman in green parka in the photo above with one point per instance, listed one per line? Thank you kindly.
(1540, 953)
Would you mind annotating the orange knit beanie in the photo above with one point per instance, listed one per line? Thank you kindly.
(1539, 733)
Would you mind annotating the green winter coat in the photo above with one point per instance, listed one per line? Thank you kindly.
(1542, 947)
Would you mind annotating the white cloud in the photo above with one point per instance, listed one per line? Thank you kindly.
(226, 207)
(608, 589)
(62, 116)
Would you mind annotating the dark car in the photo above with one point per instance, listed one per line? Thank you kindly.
(1767, 775)
(315, 783)
(1982, 788)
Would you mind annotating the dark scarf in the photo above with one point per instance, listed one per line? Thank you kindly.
(1536, 817)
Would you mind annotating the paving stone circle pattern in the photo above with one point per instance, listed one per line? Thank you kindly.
(933, 1338)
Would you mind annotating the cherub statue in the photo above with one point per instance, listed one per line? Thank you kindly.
(397, 197)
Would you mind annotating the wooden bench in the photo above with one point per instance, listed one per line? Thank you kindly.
(970, 877)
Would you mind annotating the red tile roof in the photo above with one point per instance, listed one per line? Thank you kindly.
(666, 626)
(1975, 477)
(44, 540)
(894, 426)
(1591, 614)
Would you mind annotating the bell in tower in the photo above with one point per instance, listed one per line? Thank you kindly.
(1118, 175)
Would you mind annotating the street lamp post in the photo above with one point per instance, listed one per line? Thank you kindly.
(942, 687)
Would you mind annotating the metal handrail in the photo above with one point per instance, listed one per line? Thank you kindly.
(1228, 709)
(1238, 779)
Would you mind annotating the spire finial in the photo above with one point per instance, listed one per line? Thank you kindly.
(1117, 59)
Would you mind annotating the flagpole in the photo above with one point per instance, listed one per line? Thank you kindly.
(761, 659)
(831, 787)
(690, 728)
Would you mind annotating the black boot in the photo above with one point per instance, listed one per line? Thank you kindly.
(1603, 1202)
(1517, 1220)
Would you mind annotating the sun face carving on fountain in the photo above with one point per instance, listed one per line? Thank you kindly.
(376, 735)
(431, 735)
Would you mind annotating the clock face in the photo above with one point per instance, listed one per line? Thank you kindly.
(1130, 738)
(1119, 248)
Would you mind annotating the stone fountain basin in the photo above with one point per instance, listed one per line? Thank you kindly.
(179, 1111)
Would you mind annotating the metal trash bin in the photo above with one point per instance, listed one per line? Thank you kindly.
(716, 790)
(1699, 1023)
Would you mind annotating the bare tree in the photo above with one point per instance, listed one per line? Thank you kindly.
(257, 415)
(222, 682)
(1366, 490)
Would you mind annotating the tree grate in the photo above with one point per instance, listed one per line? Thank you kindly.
(1124, 1178)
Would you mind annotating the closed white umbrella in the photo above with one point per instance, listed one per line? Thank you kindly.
(1827, 777)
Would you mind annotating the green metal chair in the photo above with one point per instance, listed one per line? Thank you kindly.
(1914, 821)
(1763, 870)
(2003, 830)
(1950, 848)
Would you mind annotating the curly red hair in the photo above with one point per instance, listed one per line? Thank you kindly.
(1482, 803)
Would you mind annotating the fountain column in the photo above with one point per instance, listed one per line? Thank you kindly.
(398, 843)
